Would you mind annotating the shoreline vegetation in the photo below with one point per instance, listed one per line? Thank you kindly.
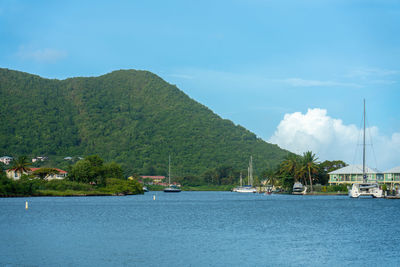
(91, 176)
(88, 177)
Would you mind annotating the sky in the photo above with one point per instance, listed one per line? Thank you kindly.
(293, 72)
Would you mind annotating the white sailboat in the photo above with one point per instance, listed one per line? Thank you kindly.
(171, 188)
(365, 188)
(249, 187)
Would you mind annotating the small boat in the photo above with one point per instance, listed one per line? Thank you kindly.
(171, 188)
(268, 190)
(246, 189)
(299, 189)
(145, 189)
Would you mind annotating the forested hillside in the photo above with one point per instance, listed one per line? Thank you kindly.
(131, 117)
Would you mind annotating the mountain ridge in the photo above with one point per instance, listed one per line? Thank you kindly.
(131, 116)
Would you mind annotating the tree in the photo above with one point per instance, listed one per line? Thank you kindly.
(82, 171)
(43, 173)
(291, 166)
(92, 170)
(310, 165)
(113, 170)
(21, 165)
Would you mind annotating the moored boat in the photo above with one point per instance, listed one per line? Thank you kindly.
(171, 188)
(299, 189)
(365, 188)
(247, 188)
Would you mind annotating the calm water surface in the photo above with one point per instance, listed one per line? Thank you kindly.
(200, 229)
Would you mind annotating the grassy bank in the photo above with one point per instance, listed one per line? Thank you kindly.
(36, 187)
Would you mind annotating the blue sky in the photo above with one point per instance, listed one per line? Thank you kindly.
(252, 61)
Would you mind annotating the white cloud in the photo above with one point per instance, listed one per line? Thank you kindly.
(41, 55)
(312, 83)
(330, 139)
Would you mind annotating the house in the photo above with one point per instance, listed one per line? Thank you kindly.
(154, 179)
(12, 174)
(6, 159)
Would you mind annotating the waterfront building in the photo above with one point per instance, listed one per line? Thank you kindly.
(352, 174)
(392, 176)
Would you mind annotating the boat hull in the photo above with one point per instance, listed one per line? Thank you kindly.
(172, 190)
(365, 190)
(299, 189)
(245, 190)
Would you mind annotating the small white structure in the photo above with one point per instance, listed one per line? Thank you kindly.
(6, 159)
(39, 159)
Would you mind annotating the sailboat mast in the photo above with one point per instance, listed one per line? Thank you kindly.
(251, 170)
(169, 169)
(364, 175)
(248, 175)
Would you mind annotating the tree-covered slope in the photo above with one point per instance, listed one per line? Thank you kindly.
(132, 117)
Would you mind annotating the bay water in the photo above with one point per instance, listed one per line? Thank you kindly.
(199, 229)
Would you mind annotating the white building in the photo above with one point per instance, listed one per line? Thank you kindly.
(6, 159)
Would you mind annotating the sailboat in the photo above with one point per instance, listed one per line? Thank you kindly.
(365, 188)
(249, 187)
(171, 188)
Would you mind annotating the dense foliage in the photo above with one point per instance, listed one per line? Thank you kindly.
(131, 117)
(89, 176)
(93, 170)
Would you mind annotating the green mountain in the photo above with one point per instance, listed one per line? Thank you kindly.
(132, 117)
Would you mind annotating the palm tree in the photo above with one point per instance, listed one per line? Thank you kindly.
(21, 165)
(310, 164)
(291, 165)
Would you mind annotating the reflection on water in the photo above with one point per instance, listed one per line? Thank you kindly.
(199, 229)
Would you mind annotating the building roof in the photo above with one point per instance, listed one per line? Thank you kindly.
(34, 169)
(394, 170)
(354, 169)
(152, 177)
